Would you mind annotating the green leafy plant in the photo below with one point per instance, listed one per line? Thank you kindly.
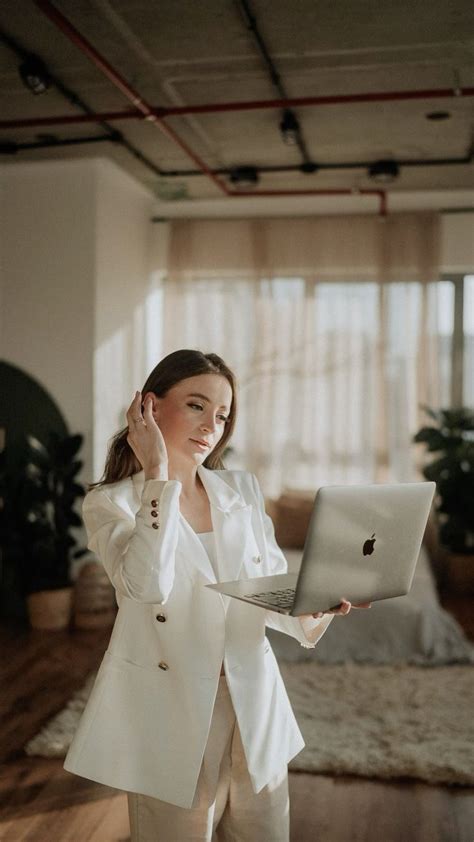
(451, 441)
(45, 516)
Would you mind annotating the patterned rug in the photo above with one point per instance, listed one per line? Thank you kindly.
(372, 721)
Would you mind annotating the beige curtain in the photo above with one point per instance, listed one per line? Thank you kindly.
(336, 329)
(337, 248)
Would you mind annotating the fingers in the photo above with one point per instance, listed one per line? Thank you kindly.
(343, 608)
(148, 407)
(134, 410)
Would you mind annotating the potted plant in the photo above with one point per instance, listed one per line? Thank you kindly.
(45, 514)
(451, 441)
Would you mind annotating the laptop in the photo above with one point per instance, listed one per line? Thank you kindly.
(362, 544)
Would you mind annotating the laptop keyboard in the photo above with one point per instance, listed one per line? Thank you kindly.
(283, 598)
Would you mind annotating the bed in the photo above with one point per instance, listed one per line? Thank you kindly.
(413, 629)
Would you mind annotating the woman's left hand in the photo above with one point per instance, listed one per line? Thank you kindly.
(343, 608)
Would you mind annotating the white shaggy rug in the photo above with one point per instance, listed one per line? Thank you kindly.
(385, 721)
(373, 721)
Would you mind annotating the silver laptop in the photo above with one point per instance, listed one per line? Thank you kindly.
(362, 544)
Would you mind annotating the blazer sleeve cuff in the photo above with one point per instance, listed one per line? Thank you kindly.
(313, 629)
(306, 630)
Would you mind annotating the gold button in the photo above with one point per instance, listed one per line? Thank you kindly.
(154, 513)
(257, 559)
(163, 666)
(154, 502)
(161, 618)
(155, 525)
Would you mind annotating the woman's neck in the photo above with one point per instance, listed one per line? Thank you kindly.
(189, 479)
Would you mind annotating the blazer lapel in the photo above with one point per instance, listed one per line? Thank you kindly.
(231, 523)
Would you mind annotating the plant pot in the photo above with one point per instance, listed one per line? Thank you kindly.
(50, 609)
(94, 598)
(460, 573)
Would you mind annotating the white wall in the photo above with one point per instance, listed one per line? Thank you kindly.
(48, 252)
(127, 327)
(75, 276)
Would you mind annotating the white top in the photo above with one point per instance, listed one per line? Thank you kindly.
(207, 540)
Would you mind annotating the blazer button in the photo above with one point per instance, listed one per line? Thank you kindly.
(154, 513)
(161, 618)
(154, 502)
(155, 525)
(163, 666)
(257, 559)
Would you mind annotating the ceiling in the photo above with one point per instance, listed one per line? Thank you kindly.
(183, 53)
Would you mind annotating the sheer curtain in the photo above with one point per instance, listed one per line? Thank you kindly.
(336, 329)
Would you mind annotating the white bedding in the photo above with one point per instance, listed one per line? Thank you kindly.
(412, 628)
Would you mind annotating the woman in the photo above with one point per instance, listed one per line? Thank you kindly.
(188, 713)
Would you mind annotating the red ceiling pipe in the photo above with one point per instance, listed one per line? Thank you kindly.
(251, 105)
(146, 110)
(148, 113)
(333, 99)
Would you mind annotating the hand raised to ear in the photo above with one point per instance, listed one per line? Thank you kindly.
(145, 437)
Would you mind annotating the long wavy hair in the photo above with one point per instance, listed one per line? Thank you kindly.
(121, 461)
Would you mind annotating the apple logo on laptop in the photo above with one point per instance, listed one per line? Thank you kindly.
(368, 547)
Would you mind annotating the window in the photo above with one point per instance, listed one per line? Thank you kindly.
(468, 331)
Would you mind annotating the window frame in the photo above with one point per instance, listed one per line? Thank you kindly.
(457, 355)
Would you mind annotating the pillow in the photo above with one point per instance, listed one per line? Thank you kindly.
(413, 628)
(291, 513)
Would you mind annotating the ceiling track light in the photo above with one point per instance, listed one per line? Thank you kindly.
(244, 177)
(8, 147)
(34, 74)
(384, 172)
(438, 115)
(308, 168)
(289, 128)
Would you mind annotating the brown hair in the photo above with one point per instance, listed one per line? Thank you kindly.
(121, 461)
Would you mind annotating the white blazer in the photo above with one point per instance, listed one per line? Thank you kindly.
(147, 720)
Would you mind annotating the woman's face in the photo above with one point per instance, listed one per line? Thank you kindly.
(194, 409)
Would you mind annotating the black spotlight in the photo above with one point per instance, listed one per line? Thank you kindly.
(309, 167)
(8, 147)
(438, 115)
(289, 128)
(243, 177)
(384, 172)
(34, 74)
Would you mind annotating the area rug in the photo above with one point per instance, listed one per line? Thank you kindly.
(385, 721)
(372, 721)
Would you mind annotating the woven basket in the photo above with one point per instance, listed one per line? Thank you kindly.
(50, 609)
(94, 598)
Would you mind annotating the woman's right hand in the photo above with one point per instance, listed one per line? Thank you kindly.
(146, 439)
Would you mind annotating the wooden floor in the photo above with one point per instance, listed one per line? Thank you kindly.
(41, 802)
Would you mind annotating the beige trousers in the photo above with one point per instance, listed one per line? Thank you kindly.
(225, 807)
